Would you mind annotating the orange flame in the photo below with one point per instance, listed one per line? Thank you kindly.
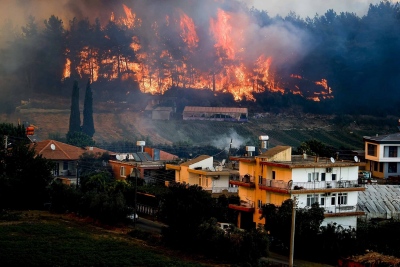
(221, 29)
(67, 69)
(188, 29)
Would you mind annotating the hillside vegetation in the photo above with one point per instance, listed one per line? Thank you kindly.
(126, 122)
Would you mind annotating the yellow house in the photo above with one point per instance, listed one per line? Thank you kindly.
(277, 175)
(204, 172)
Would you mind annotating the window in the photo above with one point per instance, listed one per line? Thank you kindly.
(259, 203)
(371, 150)
(313, 176)
(322, 200)
(333, 198)
(122, 171)
(334, 177)
(392, 167)
(65, 165)
(259, 179)
(393, 152)
(311, 199)
(273, 175)
(323, 176)
(380, 167)
(342, 198)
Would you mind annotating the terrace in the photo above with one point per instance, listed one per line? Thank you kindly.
(309, 187)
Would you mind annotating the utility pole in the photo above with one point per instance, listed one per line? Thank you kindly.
(135, 208)
(292, 232)
(5, 141)
(229, 151)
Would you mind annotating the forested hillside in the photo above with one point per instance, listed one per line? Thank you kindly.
(208, 53)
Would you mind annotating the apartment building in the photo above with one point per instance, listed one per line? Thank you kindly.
(276, 175)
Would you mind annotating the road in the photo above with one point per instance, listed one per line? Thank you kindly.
(148, 225)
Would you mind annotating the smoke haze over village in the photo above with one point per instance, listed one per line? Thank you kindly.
(309, 8)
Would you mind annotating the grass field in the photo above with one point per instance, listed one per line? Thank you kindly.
(42, 239)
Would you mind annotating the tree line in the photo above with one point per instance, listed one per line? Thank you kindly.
(357, 55)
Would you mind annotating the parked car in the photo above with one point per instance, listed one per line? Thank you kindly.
(133, 217)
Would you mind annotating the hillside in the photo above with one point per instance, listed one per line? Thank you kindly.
(126, 122)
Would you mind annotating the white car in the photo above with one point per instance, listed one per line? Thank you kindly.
(133, 217)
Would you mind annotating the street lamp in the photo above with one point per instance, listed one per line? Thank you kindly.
(291, 253)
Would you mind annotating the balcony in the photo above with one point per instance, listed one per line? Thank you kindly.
(309, 187)
(246, 206)
(243, 180)
(342, 210)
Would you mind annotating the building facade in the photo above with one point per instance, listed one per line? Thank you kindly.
(382, 155)
(277, 175)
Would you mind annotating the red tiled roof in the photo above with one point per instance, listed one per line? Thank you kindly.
(54, 150)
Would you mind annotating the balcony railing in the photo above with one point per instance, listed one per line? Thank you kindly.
(243, 178)
(221, 189)
(247, 204)
(340, 209)
(308, 185)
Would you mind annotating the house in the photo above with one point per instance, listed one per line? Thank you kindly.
(64, 156)
(276, 175)
(215, 113)
(382, 155)
(146, 164)
(202, 171)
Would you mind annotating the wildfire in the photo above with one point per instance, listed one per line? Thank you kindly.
(156, 68)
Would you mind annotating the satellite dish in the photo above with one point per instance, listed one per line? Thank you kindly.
(356, 159)
(118, 157)
(332, 160)
(53, 147)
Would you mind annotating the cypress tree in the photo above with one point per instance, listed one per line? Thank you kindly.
(75, 117)
(88, 124)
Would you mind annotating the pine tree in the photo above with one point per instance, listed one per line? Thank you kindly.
(88, 124)
(75, 118)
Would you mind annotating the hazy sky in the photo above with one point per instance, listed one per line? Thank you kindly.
(308, 8)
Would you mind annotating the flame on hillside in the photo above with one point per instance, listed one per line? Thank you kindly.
(225, 68)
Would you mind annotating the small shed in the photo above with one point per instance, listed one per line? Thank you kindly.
(161, 113)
